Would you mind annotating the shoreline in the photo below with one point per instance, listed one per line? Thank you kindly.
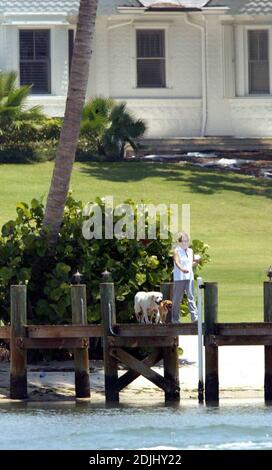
(54, 381)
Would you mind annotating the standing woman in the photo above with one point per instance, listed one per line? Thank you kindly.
(183, 278)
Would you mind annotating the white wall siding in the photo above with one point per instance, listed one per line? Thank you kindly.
(170, 117)
(59, 61)
(52, 105)
(252, 117)
(218, 113)
(12, 49)
(103, 75)
(2, 48)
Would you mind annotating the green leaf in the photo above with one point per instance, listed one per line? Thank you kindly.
(152, 262)
(62, 268)
(140, 278)
(6, 274)
(24, 274)
(35, 203)
(8, 228)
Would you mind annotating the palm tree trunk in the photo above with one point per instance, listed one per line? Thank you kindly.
(70, 132)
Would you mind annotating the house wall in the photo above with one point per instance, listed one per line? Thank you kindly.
(171, 111)
(174, 111)
(234, 113)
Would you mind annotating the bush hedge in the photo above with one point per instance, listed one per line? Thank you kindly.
(25, 257)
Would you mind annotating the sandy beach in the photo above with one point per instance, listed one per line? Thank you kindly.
(241, 375)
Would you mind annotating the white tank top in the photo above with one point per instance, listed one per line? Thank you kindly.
(186, 258)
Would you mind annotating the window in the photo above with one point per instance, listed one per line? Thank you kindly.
(258, 62)
(71, 46)
(151, 58)
(35, 60)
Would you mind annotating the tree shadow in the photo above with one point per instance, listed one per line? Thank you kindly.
(198, 180)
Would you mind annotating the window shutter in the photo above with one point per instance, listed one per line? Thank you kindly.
(229, 61)
(35, 60)
(71, 47)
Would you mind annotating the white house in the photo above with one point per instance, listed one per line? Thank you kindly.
(189, 67)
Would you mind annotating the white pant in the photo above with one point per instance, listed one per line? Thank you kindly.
(179, 288)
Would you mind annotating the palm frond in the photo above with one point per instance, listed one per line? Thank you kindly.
(7, 83)
(14, 111)
(18, 96)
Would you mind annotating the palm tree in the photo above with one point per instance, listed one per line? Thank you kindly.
(95, 120)
(110, 125)
(124, 129)
(14, 114)
(71, 127)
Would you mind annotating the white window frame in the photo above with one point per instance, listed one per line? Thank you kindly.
(141, 26)
(242, 50)
(38, 28)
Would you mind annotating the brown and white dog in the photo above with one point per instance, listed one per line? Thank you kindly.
(164, 307)
(146, 306)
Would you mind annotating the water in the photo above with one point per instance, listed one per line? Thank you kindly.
(234, 425)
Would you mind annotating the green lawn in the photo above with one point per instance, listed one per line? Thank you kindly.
(231, 213)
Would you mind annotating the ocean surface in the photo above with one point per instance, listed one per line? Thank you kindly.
(233, 425)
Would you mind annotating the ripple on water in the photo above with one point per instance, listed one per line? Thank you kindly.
(232, 426)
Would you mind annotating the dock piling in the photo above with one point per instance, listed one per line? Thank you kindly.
(18, 354)
(211, 350)
(268, 349)
(171, 354)
(81, 356)
(108, 319)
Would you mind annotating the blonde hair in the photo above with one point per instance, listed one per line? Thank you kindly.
(183, 235)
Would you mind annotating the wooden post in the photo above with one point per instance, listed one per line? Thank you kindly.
(108, 319)
(268, 349)
(171, 355)
(167, 291)
(18, 355)
(211, 351)
(81, 356)
(171, 371)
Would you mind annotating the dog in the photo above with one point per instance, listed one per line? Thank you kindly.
(164, 307)
(146, 306)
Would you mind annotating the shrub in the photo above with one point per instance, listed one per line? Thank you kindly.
(30, 143)
(25, 257)
(27, 153)
(109, 126)
(47, 129)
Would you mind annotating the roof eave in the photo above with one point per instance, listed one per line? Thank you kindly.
(157, 10)
(215, 8)
(173, 9)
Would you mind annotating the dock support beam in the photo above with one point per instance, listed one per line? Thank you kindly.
(171, 371)
(268, 349)
(108, 318)
(211, 351)
(18, 360)
(171, 355)
(81, 356)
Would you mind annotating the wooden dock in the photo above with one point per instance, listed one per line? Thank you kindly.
(117, 338)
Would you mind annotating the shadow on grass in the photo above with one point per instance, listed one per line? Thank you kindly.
(198, 180)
